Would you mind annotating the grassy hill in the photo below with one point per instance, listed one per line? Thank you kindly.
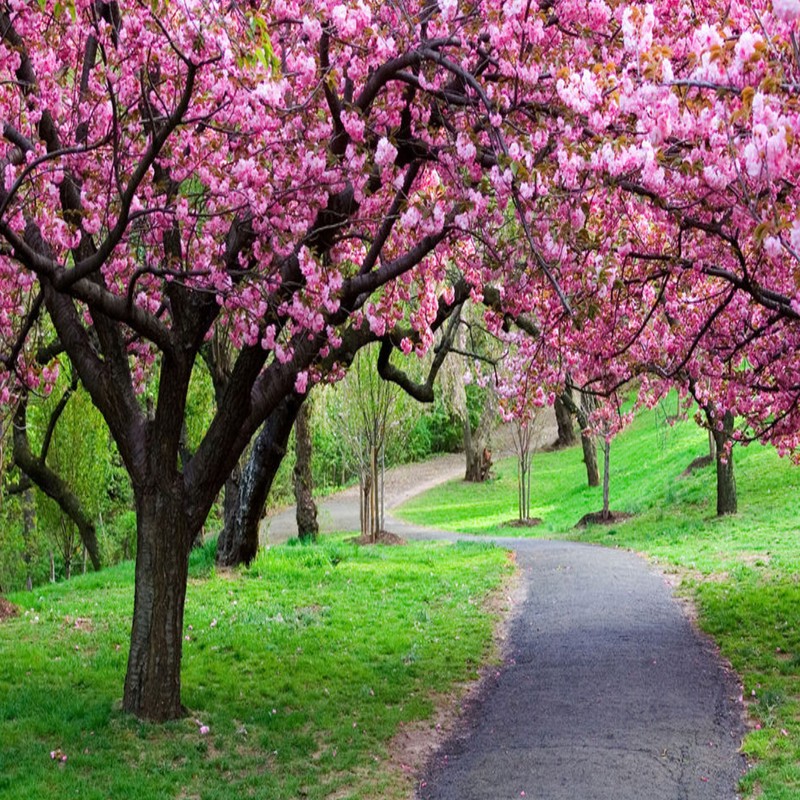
(743, 572)
(297, 673)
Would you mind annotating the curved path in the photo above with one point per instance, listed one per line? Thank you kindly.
(607, 691)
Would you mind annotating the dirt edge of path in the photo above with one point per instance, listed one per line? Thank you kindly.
(679, 581)
(415, 744)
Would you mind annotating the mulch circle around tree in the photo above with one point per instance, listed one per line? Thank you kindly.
(384, 537)
(597, 518)
(7, 609)
(530, 522)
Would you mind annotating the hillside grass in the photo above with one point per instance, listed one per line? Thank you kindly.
(743, 572)
(303, 667)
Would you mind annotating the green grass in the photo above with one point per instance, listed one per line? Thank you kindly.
(743, 571)
(303, 667)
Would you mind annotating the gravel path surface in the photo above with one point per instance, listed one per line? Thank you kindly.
(607, 691)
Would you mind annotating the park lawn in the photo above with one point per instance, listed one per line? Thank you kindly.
(303, 667)
(743, 572)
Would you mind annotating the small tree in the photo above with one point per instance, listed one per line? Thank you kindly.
(367, 412)
(523, 436)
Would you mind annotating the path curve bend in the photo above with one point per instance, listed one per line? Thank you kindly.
(607, 691)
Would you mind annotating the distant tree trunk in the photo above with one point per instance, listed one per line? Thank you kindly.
(587, 441)
(727, 502)
(307, 525)
(231, 499)
(606, 477)
(238, 542)
(566, 430)
(582, 410)
(473, 453)
(477, 453)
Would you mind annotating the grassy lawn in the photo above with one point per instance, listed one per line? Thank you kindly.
(302, 667)
(743, 571)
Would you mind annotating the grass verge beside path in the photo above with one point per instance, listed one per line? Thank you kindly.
(743, 572)
(302, 668)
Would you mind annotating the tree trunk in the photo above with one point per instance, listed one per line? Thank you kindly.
(238, 542)
(726, 480)
(478, 459)
(307, 525)
(375, 495)
(590, 459)
(365, 492)
(566, 431)
(153, 679)
(587, 441)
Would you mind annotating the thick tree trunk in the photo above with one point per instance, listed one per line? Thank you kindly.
(306, 513)
(476, 441)
(566, 430)
(238, 542)
(727, 502)
(478, 458)
(153, 679)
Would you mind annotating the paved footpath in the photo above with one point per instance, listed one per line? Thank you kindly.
(607, 691)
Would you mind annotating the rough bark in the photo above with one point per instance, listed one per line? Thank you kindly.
(727, 502)
(566, 430)
(238, 542)
(306, 514)
(231, 496)
(476, 451)
(153, 679)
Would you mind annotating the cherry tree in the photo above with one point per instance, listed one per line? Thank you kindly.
(682, 257)
(299, 179)
(305, 178)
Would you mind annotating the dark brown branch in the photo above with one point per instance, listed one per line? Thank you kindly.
(422, 392)
(52, 484)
